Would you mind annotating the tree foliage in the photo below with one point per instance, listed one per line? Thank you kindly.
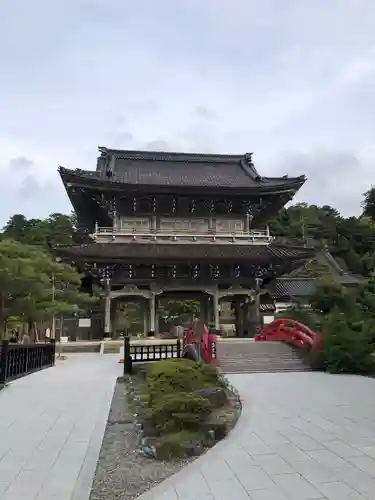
(329, 296)
(34, 287)
(350, 240)
(57, 229)
(347, 346)
(179, 311)
(369, 204)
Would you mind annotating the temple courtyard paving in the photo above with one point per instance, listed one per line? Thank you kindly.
(301, 436)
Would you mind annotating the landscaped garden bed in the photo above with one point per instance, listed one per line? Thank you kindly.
(162, 417)
(181, 408)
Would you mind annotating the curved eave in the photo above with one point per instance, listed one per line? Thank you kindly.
(265, 186)
(137, 252)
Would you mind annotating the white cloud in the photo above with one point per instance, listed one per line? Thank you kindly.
(290, 81)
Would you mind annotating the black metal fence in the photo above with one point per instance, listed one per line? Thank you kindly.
(18, 360)
(148, 352)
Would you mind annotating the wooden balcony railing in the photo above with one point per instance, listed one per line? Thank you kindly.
(108, 234)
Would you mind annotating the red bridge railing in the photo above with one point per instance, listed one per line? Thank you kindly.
(202, 340)
(292, 332)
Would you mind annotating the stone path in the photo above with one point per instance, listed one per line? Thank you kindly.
(51, 428)
(301, 436)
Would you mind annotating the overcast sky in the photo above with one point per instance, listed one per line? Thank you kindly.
(291, 80)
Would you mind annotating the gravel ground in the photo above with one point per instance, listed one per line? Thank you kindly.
(121, 473)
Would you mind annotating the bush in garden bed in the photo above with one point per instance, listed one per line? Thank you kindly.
(182, 444)
(177, 399)
(181, 375)
(180, 410)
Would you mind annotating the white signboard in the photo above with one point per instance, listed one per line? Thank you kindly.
(268, 319)
(84, 322)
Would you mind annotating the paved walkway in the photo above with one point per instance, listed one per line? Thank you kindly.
(51, 428)
(301, 436)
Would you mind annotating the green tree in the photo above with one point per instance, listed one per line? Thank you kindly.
(369, 203)
(17, 227)
(346, 344)
(329, 296)
(366, 298)
(34, 287)
(173, 311)
(129, 318)
(57, 229)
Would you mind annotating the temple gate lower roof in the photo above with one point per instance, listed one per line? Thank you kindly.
(185, 251)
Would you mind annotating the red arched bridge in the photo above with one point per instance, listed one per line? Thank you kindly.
(281, 345)
(292, 332)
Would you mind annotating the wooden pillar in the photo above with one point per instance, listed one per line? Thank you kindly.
(204, 310)
(257, 315)
(153, 223)
(156, 315)
(113, 316)
(107, 315)
(253, 317)
(152, 313)
(146, 317)
(238, 315)
(247, 223)
(215, 307)
(245, 310)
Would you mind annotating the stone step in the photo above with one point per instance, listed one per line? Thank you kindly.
(261, 369)
(256, 357)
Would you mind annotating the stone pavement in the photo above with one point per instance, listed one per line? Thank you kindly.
(51, 428)
(301, 436)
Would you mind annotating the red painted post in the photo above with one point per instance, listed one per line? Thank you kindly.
(212, 351)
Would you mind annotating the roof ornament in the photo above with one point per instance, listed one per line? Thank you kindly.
(250, 164)
(249, 159)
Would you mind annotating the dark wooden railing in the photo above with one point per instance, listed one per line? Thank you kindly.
(149, 352)
(18, 360)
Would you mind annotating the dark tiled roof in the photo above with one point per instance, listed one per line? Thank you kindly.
(181, 170)
(292, 287)
(335, 266)
(124, 251)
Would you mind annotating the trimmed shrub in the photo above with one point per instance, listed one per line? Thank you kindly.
(181, 444)
(178, 411)
(179, 375)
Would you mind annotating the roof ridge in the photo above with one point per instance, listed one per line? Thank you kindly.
(331, 261)
(301, 278)
(174, 156)
(249, 168)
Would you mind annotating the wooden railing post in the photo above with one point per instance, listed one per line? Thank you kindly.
(128, 362)
(178, 348)
(53, 356)
(4, 361)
